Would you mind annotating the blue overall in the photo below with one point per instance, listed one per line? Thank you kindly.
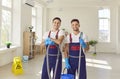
(74, 50)
(52, 57)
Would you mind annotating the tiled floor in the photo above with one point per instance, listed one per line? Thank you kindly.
(101, 66)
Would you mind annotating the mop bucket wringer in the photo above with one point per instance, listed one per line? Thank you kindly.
(66, 76)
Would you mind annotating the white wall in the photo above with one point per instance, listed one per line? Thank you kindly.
(118, 30)
(7, 55)
(16, 33)
(119, 27)
(110, 47)
(21, 22)
(88, 21)
(21, 19)
(86, 15)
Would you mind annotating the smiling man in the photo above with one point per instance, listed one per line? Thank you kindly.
(76, 45)
(53, 59)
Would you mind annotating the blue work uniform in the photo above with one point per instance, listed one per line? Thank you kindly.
(52, 57)
(74, 51)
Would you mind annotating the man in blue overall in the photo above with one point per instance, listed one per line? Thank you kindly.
(53, 59)
(74, 42)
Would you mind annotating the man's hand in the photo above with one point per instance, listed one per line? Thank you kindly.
(48, 41)
(82, 43)
(67, 65)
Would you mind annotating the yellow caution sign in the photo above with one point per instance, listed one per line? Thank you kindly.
(17, 66)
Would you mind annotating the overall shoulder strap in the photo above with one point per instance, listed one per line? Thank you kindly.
(49, 34)
(57, 34)
(81, 35)
(70, 38)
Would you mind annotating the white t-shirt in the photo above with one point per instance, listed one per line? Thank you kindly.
(75, 38)
(53, 35)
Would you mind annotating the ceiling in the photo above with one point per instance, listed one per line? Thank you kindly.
(77, 3)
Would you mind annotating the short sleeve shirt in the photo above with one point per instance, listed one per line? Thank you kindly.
(53, 35)
(75, 38)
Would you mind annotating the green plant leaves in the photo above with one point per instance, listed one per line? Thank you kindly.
(8, 43)
(92, 42)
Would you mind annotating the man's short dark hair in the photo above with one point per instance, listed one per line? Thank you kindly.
(57, 19)
(73, 20)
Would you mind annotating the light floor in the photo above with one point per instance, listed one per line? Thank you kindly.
(101, 66)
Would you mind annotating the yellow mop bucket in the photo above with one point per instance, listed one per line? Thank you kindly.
(17, 66)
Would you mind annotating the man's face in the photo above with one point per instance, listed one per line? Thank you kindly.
(56, 24)
(75, 26)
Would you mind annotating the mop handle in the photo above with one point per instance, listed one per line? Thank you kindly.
(48, 71)
(56, 62)
(66, 69)
(79, 64)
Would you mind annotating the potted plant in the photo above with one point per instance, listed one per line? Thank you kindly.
(8, 44)
(93, 44)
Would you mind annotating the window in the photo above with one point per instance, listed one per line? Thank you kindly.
(6, 21)
(104, 25)
(34, 18)
(7, 3)
(37, 22)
